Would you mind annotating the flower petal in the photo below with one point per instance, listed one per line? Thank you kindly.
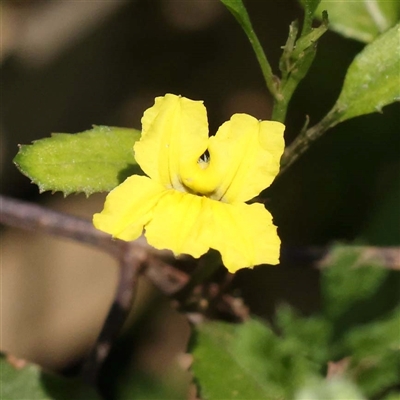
(245, 155)
(243, 234)
(129, 207)
(180, 223)
(174, 136)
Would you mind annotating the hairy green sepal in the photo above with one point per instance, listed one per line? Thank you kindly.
(93, 161)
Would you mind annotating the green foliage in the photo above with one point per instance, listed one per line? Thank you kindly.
(93, 161)
(360, 20)
(308, 336)
(372, 80)
(144, 387)
(31, 382)
(335, 389)
(216, 362)
(375, 353)
(290, 360)
(253, 362)
(349, 282)
(297, 57)
(392, 396)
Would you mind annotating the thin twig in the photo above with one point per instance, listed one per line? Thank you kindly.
(132, 258)
(130, 268)
(306, 137)
(162, 274)
(28, 216)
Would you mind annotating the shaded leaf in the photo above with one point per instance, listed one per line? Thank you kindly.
(96, 160)
(356, 292)
(215, 362)
(23, 381)
(375, 354)
(360, 20)
(311, 333)
(358, 322)
(372, 80)
(249, 361)
(335, 389)
(145, 387)
(392, 396)
(347, 281)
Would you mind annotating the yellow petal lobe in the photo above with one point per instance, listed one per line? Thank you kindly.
(244, 235)
(179, 224)
(244, 158)
(245, 155)
(188, 224)
(174, 136)
(129, 207)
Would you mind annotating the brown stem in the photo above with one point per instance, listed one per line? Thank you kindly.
(24, 215)
(162, 274)
(306, 137)
(131, 265)
(132, 258)
(21, 214)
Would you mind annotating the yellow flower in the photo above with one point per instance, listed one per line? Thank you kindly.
(194, 196)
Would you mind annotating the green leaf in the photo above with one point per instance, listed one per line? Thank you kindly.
(249, 361)
(96, 160)
(312, 333)
(359, 19)
(356, 289)
(22, 381)
(217, 369)
(373, 79)
(392, 396)
(346, 282)
(375, 354)
(137, 385)
(334, 389)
